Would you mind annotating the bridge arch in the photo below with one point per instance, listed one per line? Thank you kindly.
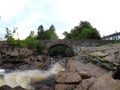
(60, 49)
(76, 45)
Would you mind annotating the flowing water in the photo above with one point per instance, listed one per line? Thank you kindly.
(26, 77)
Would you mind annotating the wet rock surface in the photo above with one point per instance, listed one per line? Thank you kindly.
(31, 62)
(106, 82)
(85, 84)
(47, 84)
(77, 64)
(5, 87)
(92, 76)
(10, 51)
(68, 78)
(65, 86)
(107, 52)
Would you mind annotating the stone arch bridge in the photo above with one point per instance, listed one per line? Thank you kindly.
(75, 45)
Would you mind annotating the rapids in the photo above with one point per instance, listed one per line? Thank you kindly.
(26, 77)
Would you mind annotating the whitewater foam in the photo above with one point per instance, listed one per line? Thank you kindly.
(24, 78)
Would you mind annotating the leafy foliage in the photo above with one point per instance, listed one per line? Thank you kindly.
(83, 31)
(30, 42)
(10, 36)
(40, 33)
(48, 34)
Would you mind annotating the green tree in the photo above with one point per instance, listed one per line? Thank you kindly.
(67, 35)
(52, 27)
(40, 33)
(51, 32)
(10, 35)
(47, 34)
(83, 31)
(31, 42)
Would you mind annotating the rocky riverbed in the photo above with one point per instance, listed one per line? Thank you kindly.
(92, 69)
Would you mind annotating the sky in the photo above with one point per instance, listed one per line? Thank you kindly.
(27, 15)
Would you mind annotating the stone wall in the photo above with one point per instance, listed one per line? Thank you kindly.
(76, 45)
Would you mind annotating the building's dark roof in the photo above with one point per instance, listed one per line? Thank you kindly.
(111, 35)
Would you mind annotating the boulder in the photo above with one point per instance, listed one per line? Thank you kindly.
(106, 82)
(68, 77)
(43, 87)
(65, 86)
(98, 53)
(84, 75)
(76, 64)
(39, 61)
(85, 84)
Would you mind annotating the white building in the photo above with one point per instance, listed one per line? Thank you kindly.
(114, 36)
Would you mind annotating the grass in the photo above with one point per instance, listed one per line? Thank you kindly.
(109, 42)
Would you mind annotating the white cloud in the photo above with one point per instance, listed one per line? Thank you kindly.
(102, 14)
(9, 8)
(64, 14)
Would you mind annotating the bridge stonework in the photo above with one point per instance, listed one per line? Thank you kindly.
(76, 45)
